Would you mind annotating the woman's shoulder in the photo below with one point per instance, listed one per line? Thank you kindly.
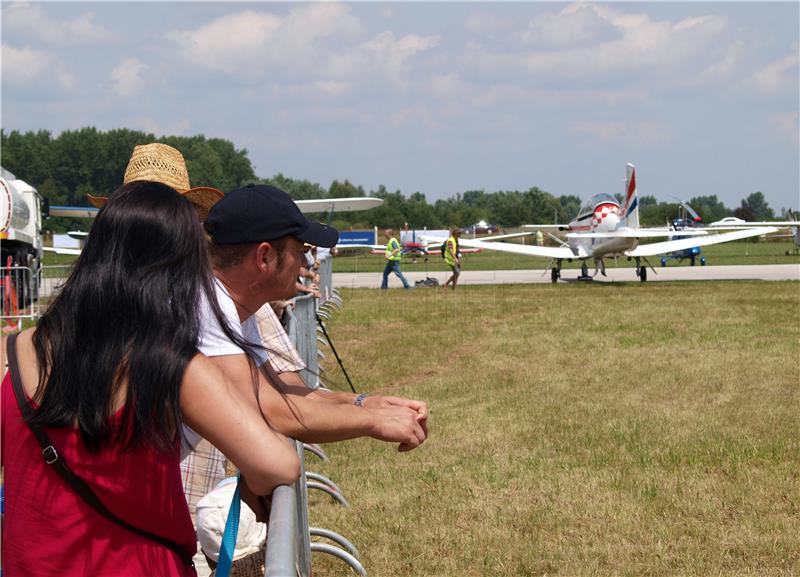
(26, 357)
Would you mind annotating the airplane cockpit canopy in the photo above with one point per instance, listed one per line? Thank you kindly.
(597, 199)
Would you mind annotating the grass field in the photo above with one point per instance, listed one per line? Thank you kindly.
(575, 430)
(721, 254)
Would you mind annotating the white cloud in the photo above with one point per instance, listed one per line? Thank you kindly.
(31, 21)
(235, 42)
(449, 85)
(149, 124)
(312, 42)
(778, 75)
(482, 23)
(253, 42)
(417, 115)
(331, 88)
(126, 77)
(647, 132)
(593, 42)
(788, 124)
(25, 67)
(576, 24)
(392, 55)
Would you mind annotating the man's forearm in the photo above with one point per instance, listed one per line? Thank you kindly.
(292, 383)
(315, 421)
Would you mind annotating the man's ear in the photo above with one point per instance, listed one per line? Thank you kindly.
(264, 255)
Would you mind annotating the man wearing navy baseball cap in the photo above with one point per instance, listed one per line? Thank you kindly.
(256, 236)
(260, 225)
(257, 213)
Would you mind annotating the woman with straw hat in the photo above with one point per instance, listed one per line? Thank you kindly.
(159, 162)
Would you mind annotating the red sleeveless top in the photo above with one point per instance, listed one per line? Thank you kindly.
(48, 529)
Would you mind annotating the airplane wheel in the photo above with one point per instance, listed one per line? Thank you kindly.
(663, 261)
(584, 270)
(554, 275)
(692, 260)
(643, 274)
(703, 261)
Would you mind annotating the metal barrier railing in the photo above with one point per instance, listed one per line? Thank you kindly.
(289, 544)
(304, 333)
(325, 279)
(51, 278)
(19, 291)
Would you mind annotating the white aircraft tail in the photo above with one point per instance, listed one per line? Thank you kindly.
(630, 206)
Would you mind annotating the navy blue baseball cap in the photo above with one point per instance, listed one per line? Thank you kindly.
(259, 213)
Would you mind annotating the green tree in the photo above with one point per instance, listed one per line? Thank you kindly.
(755, 207)
(709, 208)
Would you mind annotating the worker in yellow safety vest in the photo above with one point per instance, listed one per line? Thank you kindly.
(394, 253)
(453, 257)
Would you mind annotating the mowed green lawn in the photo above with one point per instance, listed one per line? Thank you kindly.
(773, 252)
(575, 430)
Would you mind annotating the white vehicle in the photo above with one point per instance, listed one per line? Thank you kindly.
(20, 239)
(604, 229)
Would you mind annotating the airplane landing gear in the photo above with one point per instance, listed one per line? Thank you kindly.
(555, 272)
(584, 272)
(641, 270)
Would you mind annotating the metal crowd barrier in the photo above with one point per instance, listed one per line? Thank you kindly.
(22, 290)
(51, 277)
(289, 544)
(19, 291)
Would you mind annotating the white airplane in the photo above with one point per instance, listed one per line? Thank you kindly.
(604, 229)
(351, 204)
(731, 222)
(329, 205)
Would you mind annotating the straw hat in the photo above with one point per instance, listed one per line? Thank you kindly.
(162, 163)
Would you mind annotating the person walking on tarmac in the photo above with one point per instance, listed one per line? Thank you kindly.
(393, 255)
(452, 257)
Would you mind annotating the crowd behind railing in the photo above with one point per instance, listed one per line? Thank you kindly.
(289, 545)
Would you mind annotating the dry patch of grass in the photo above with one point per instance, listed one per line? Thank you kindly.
(576, 430)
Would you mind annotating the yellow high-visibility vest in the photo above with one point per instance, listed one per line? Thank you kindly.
(391, 246)
(452, 245)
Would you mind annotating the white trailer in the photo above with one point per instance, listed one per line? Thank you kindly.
(20, 238)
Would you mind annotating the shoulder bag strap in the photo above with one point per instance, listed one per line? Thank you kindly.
(52, 457)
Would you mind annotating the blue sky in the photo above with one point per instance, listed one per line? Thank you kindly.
(434, 97)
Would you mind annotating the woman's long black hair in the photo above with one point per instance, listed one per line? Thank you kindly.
(128, 313)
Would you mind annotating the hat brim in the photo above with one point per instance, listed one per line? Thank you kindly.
(201, 197)
(319, 235)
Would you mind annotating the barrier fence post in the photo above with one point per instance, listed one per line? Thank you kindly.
(289, 545)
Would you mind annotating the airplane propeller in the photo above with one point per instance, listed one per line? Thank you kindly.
(689, 210)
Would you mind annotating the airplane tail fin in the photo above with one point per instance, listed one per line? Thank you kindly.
(630, 206)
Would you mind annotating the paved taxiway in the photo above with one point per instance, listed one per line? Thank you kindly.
(674, 273)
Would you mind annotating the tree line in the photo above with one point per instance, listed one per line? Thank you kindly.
(66, 167)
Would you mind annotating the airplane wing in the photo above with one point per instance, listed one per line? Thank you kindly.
(743, 224)
(502, 236)
(73, 211)
(638, 233)
(315, 205)
(528, 250)
(70, 251)
(546, 226)
(339, 204)
(673, 245)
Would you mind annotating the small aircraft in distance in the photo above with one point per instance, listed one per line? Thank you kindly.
(605, 229)
(421, 244)
(731, 222)
(328, 205)
(687, 218)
